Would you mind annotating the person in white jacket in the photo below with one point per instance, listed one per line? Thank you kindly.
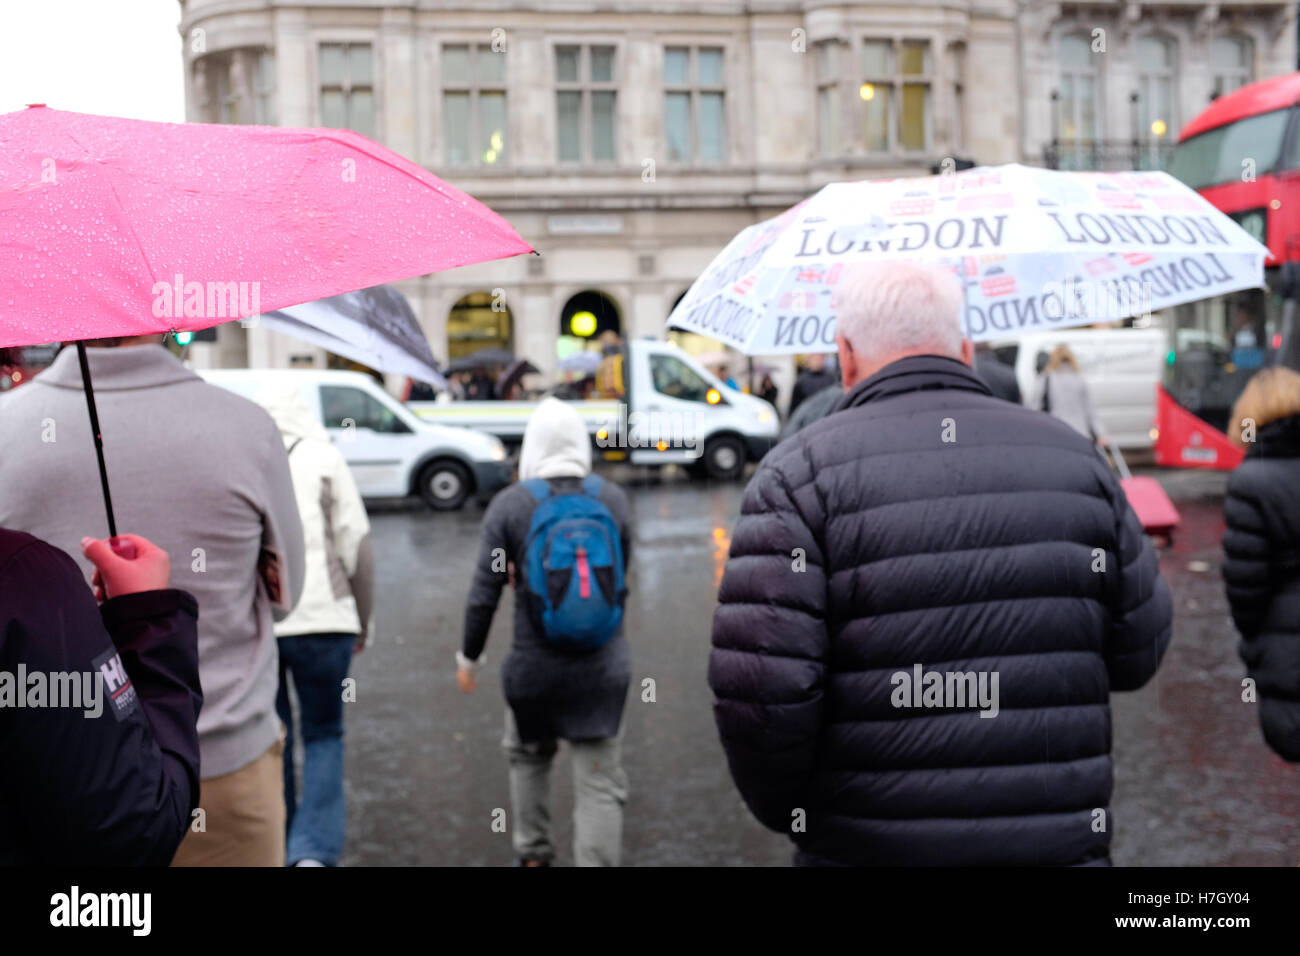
(330, 623)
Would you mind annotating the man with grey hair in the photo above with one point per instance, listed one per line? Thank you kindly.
(924, 558)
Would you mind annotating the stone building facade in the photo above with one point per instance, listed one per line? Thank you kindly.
(628, 140)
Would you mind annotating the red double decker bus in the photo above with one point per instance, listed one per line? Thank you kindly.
(1243, 155)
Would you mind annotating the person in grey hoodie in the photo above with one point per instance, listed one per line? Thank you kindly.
(553, 693)
(202, 473)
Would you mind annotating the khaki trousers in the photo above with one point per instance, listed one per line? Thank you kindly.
(243, 815)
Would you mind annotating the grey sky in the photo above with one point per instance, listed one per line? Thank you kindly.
(117, 57)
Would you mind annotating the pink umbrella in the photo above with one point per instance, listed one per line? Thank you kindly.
(117, 227)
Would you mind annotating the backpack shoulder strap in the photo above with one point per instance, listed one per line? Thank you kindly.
(593, 484)
(539, 488)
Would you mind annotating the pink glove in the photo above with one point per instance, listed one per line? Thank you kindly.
(149, 569)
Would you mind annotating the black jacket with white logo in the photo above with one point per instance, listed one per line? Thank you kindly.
(113, 789)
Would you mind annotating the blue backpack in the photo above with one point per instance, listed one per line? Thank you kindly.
(573, 561)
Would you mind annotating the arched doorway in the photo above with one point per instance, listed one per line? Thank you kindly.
(480, 320)
(589, 321)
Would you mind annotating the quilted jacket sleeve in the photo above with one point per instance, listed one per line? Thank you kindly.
(767, 667)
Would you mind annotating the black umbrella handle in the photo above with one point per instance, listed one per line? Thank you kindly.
(99, 440)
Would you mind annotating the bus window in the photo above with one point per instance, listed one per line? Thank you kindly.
(1215, 156)
(1215, 346)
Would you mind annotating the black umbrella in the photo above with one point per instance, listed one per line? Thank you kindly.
(483, 358)
(374, 326)
(517, 370)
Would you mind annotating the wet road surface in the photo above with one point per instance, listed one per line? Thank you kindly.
(1195, 784)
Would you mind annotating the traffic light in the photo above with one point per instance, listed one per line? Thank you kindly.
(202, 335)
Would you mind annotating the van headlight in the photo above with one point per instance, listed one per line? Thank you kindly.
(498, 451)
(765, 416)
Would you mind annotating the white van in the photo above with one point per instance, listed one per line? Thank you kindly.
(391, 452)
(665, 408)
(1121, 366)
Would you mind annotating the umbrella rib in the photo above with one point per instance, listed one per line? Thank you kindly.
(121, 208)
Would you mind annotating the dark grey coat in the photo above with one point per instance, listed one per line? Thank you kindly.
(552, 691)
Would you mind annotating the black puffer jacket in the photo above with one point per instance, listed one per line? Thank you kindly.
(980, 554)
(1262, 573)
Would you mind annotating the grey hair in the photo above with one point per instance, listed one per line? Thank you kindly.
(887, 308)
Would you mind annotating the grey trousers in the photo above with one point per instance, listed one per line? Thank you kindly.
(600, 789)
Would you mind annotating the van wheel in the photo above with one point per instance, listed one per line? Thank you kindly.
(724, 458)
(444, 485)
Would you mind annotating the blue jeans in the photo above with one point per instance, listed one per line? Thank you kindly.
(318, 664)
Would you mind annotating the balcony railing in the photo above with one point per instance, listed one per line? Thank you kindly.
(1106, 155)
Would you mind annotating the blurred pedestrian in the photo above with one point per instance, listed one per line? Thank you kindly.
(996, 374)
(724, 375)
(923, 558)
(767, 390)
(1061, 391)
(481, 387)
(201, 472)
(562, 537)
(814, 377)
(111, 778)
(1261, 544)
(330, 623)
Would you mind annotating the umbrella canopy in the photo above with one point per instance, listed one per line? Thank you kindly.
(517, 370)
(117, 227)
(375, 327)
(1036, 249)
(483, 358)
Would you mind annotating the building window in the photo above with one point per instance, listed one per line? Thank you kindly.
(828, 54)
(1230, 59)
(347, 94)
(237, 86)
(1077, 117)
(264, 88)
(957, 130)
(585, 102)
(694, 86)
(473, 104)
(895, 94)
(1157, 78)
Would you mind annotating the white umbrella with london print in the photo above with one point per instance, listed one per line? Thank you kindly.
(1037, 249)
